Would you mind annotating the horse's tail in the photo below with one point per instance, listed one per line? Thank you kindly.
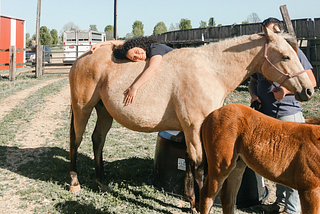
(72, 132)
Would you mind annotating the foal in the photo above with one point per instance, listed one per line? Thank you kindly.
(288, 153)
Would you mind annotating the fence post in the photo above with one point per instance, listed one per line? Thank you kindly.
(38, 60)
(77, 52)
(287, 20)
(12, 62)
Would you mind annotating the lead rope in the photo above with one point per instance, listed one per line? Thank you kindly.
(288, 76)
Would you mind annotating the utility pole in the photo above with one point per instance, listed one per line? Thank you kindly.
(115, 21)
(38, 45)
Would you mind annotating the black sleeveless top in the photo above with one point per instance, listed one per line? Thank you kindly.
(158, 49)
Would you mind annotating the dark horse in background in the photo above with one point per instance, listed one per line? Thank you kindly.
(190, 83)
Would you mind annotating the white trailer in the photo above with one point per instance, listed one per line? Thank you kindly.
(79, 41)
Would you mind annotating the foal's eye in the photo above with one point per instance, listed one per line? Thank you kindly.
(286, 57)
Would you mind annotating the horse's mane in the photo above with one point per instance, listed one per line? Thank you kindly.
(289, 38)
(313, 120)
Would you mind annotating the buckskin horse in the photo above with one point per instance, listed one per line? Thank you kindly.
(236, 136)
(190, 83)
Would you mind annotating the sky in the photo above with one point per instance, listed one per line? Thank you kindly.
(83, 13)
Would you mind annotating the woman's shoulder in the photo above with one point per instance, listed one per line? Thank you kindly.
(159, 49)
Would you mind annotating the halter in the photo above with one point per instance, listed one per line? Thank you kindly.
(288, 76)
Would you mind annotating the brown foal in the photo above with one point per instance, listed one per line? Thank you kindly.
(236, 136)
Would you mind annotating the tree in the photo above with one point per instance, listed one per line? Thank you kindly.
(129, 35)
(159, 28)
(174, 27)
(203, 24)
(245, 22)
(253, 18)
(185, 24)
(28, 39)
(93, 28)
(212, 23)
(70, 26)
(109, 32)
(108, 28)
(45, 36)
(137, 29)
(54, 35)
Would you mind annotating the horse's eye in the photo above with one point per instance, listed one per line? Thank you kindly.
(286, 57)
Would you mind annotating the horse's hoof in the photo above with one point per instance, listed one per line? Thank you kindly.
(194, 210)
(76, 190)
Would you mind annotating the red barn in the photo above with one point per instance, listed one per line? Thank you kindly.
(12, 32)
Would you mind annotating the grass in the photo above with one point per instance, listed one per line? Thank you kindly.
(41, 180)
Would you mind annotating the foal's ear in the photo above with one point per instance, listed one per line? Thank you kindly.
(271, 36)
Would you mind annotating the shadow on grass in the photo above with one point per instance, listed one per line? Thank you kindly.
(52, 164)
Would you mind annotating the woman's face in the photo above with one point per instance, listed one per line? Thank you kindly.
(136, 54)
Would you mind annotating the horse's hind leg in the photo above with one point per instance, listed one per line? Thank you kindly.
(230, 187)
(103, 125)
(310, 201)
(79, 120)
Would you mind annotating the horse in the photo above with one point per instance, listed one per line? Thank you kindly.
(190, 83)
(235, 136)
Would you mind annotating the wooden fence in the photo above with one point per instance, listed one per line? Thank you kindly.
(304, 28)
(307, 32)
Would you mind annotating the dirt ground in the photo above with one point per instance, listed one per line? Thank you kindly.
(33, 136)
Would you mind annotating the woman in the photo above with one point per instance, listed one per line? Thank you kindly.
(138, 49)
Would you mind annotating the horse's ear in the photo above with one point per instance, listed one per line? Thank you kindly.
(269, 33)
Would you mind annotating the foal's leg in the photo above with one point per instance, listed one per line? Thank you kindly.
(310, 201)
(231, 185)
(79, 120)
(103, 125)
(210, 190)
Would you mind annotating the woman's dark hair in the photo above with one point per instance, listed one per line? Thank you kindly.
(272, 20)
(143, 42)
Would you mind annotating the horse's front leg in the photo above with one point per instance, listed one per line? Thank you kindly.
(79, 120)
(103, 125)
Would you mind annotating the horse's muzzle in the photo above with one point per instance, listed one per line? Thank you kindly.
(305, 95)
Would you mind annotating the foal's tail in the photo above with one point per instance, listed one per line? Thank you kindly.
(204, 155)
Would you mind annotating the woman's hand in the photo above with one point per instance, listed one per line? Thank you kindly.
(95, 47)
(279, 93)
(131, 93)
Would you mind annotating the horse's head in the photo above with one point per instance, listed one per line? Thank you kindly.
(282, 65)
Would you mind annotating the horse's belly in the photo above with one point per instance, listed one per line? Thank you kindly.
(143, 115)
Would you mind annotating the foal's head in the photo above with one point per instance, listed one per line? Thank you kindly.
(282, 65)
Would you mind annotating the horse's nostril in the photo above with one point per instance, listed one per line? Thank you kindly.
(309, 92)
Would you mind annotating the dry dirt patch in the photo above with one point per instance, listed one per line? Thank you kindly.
(33, 135)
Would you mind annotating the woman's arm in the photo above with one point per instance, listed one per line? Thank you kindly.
(110, 42)
(131, 92)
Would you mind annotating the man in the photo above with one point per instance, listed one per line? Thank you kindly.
(289, 109)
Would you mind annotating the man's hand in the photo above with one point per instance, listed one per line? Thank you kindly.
(279, 93)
